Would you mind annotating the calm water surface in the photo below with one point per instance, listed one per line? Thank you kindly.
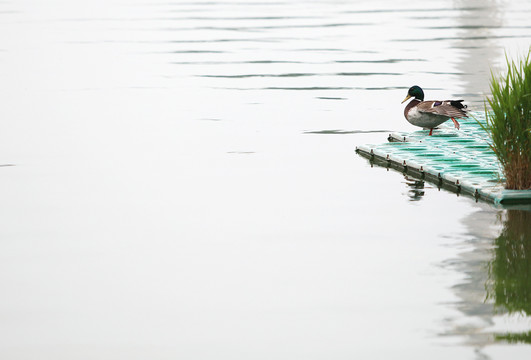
(183, 183)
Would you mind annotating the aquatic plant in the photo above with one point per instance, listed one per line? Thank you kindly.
(509, 122)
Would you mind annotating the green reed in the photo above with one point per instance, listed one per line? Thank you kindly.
(509, 122)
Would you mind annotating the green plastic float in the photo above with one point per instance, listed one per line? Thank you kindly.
(458, 160)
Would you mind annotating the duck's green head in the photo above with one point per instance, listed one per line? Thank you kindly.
(415, 92)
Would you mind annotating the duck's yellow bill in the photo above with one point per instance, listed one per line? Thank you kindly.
(407, 97)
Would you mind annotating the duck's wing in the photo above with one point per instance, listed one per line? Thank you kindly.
(448, 108)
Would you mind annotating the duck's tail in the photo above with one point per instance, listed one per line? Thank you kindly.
(458, 105)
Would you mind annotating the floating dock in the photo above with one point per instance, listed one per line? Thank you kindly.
(458, 160)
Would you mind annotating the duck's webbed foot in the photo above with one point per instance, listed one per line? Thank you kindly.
(456, 123)
(431, 132)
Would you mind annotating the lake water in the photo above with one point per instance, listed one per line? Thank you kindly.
(179, 181)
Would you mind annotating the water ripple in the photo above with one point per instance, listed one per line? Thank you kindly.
(241, 62)
(197, 52)
(243, 76)
(330, 98)
(385, 61)
(344, 132)
(243, 18)
(313, 88)
(417, 10)
(259, 40)
(447, 38)
(265, 27)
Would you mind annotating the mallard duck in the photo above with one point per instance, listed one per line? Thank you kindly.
(430, 114)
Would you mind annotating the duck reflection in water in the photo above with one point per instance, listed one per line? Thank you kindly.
(509, 284)
(415, 188)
